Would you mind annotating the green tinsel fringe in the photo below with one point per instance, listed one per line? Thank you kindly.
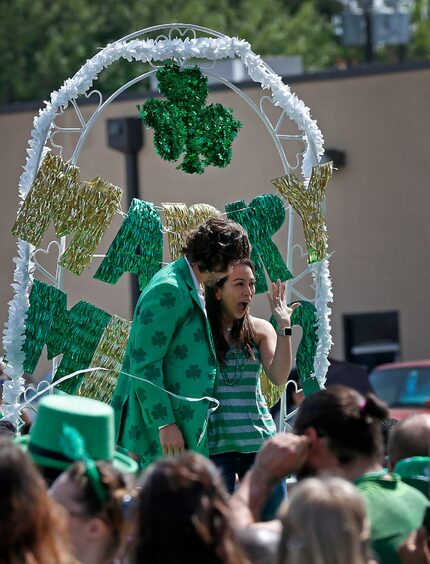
(262, 218)
(306, 317)
(76, 335)
(142, 229)
(109, 354)
(46, 304)
(183, 124)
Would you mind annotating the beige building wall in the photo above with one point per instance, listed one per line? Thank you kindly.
(377, 205)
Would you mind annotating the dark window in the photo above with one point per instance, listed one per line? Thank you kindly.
(372, 338)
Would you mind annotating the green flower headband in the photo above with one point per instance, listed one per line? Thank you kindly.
(73, 445)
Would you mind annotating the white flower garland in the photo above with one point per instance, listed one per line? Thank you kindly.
(323, 295)
(145, 51)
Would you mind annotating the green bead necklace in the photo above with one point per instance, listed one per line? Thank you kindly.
(238, 369)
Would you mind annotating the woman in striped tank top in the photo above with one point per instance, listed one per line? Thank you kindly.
(244, 344)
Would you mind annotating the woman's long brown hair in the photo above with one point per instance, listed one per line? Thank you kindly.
(183, 515)
(32, 526)
(242, 332)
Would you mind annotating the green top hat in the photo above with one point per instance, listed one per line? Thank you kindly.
(93, 419)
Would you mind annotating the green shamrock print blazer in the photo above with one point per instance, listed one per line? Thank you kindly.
(170, 345)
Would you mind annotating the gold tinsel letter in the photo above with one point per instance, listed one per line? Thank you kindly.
(57, 195)
(308, 203)
(49, 199)
(96, 202)
(109, 354)
(180, 219)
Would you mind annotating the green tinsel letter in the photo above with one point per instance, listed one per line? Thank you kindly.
(141, 231)
(305, 316)
(76, 334)
(261, 219)
(46, 303)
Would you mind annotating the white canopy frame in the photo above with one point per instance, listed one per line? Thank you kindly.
(181, 43)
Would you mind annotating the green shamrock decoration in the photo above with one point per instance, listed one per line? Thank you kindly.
(168, 300)
(152, 372)
(139, 354)
(159, 411)
(183, 124)
(159, 338)
(146, 317)
(186, 412)
(193, 372)
(181, 352)
(199, 336)
(134, 433)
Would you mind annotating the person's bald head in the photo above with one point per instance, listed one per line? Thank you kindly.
(410, 437)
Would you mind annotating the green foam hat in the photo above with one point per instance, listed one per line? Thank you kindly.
(413, 466)
(93, 419)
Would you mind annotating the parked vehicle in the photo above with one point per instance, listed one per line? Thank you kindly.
(405, 386)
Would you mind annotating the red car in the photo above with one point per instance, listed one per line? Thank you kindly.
(405, 386)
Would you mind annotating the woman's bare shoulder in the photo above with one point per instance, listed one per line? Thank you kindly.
(262, 327)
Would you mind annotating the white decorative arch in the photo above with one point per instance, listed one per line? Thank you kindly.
(186, 45)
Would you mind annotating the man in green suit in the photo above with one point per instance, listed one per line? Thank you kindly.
(171, 346)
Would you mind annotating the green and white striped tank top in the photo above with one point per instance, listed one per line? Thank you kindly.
(242, 421)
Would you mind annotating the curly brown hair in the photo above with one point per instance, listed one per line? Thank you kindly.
(32, 526)
(216, 244)
(183, 514)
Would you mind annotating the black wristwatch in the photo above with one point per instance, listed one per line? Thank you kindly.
(284, 331)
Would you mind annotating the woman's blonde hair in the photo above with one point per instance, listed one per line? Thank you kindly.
(324, 522)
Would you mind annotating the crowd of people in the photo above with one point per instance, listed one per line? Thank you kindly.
(186, 465)
(345, 506)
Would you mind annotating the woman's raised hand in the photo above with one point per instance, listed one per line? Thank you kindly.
(280, 310)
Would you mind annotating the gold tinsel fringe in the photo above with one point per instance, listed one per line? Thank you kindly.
(308, 203)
